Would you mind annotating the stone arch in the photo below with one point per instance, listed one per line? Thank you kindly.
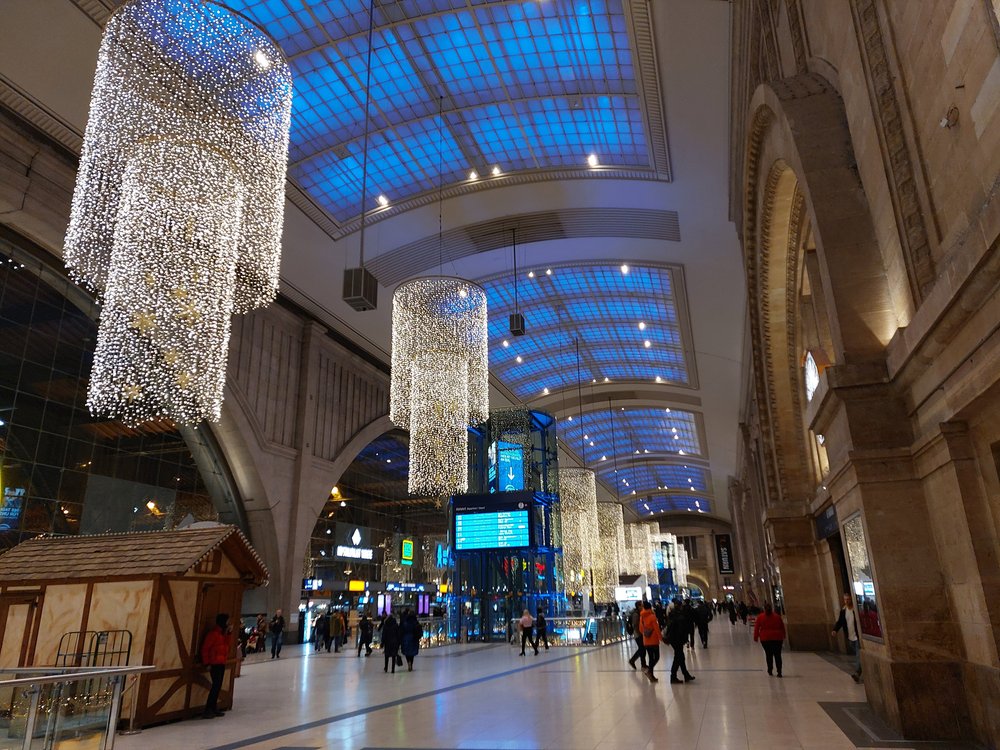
(800, 162)
(701, 582)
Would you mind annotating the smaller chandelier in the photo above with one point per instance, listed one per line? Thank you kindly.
(439, 384)
(578, 511)
(611, 550)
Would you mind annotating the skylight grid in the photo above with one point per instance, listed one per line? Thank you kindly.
(644, 478)
(526, 85)
(622, 432)
(671, 503)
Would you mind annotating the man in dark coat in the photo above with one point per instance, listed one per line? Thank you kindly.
(702, 616)
(676, 634)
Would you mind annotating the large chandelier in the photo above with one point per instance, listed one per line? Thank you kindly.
(610, 550)
(439, 377)
(177, 213)
(653, 575)
(578, 511)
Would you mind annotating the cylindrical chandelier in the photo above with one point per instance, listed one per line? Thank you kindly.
(639, 553)
(578, 509)
(439, 377)
(653, 554)
(177, 213)
(610, 550)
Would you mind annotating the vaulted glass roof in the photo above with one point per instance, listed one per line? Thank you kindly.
(523, 85)
(622, 431)
(670, 503)
(648, 478)
(627, 324)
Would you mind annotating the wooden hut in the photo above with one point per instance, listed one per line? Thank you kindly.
(138, 598)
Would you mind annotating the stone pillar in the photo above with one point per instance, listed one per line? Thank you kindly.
(869, 437)
(798, 566)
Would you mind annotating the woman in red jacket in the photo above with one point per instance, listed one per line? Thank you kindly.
(214, 653)
(770, 631)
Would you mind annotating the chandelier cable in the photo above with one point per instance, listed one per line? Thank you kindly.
(614, 450)
(441, 184)
(364, 148)
(579, 392)
(513, 242)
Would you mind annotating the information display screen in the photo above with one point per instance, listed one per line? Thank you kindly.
(484, 524)
(506, 467)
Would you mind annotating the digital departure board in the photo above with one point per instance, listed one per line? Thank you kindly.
(497, 530)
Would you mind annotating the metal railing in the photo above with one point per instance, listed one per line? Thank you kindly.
(45, 708)
(435, 633)
(576, 631)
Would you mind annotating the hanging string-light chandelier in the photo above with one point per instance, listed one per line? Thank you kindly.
(578, 512)
(611, 550)
(177, 213)
(439, 377)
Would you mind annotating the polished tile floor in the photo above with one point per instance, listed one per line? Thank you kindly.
(487, 697)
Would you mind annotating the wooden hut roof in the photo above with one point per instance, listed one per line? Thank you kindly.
(131, 555)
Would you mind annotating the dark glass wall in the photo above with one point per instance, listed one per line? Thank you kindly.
(62, 470)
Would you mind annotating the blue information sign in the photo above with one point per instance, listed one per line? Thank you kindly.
(506, 467)
(498, 530)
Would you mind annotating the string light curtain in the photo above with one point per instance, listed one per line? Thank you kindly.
(439, 381)
(610, 550)
(578, 507)
(653, 529)
(638, 551)
(177, 213)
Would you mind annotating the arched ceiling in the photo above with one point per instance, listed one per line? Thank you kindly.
(610, 59)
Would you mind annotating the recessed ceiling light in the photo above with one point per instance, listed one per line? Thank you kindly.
(548, 271)
(388, 460)
(463, 293)
(659, 379)
(624, 267)
(545, 391)
(681, 452)
(531, 274)
(506, 343)
(592, 160)
(677, 437)
(383, 201)
(668, 410)
(473, 175)
(343, 503)
(647, 343)
(607, 380)
(496, 171)
(604, 458)
(329, 531)
(592, 445)
(262, 60)
(519, 359)
(586, 437)
(642, 326)
(674, 429)
(570, 417)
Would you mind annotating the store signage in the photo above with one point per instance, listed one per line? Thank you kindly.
(353, 543)
(724, 552)
(628, 593)
(356, 586)
(827, 524)
(406, 557)
(10, 511)
(441, 555)
(481, 523)
(406, 587)
(312, 584)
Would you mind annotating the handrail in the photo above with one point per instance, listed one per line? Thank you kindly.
(54, 677)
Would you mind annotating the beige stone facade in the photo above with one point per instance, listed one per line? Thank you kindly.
(865, 177)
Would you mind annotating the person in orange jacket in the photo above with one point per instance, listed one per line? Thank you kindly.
(214, 653)
(769, 629)
(649, 628)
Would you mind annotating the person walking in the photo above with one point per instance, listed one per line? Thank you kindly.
(848, 622)
(214, 653)
(640, 649)
(410, 634)
(703, 616)
(322, 628)
(688, 612)
(743, 611)
(541, 631)
(769, 629)
(336, 630)
(676, 634)
(650, 632)
(732, 613)
(277, 629)
(390, 642)
(260, 631)
(365, 630)
(525, 624)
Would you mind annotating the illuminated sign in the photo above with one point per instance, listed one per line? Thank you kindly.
(312, 584)
(355, 585)
(506, 470)
(353, 543)
(10, 511)
(407, 555)
(479, 525)
(441, 556)
(628, 593)
(397, 586)
(724, 553)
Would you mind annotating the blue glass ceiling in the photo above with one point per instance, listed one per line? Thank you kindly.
(600, 306)
(648, 478)
(670, 503)
(623, 431)
(526, 85)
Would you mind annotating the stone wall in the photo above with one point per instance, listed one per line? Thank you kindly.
(864, 183)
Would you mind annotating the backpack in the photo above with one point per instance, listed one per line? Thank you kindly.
(628, 626)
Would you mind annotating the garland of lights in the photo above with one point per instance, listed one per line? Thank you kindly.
(654, 546)
(513, 425)
(578, 509)
(177, 212)
(637, 548)
(439, 377)
(610, 551)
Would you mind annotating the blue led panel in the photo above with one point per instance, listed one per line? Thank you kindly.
(671, 503)
(524, 85)
(602, 308)
(641, 479)
(645, 429)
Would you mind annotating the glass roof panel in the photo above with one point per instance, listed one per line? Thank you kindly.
(601, 307)
(667, 503)
(623, 431)
(524, 85)
(648, 478)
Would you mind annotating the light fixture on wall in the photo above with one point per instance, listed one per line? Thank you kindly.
(177, 212)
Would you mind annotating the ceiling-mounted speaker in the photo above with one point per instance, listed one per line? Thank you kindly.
(360, 289)
(516, 324)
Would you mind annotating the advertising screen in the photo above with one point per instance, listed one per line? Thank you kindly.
(506, 469)
(492, 525)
